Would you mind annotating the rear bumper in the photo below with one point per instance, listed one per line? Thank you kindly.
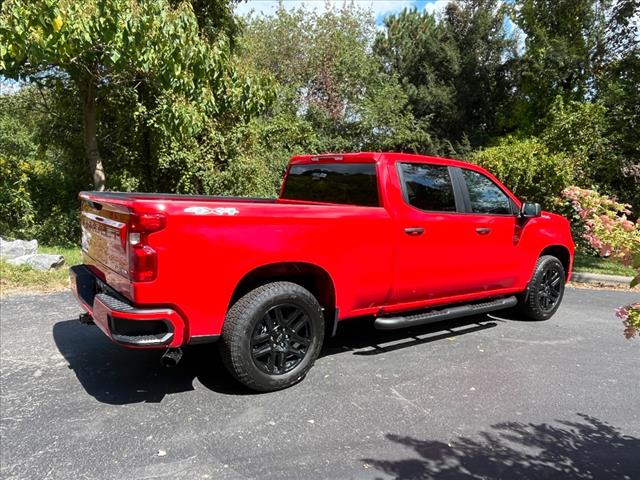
(123, 323)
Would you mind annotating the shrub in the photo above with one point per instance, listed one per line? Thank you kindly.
(17, 213)
(602, 224)
(578, 129)
(586, 133)
(528, 168)
(630, 316)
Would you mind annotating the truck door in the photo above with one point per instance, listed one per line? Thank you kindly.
(491, 232)
(433, 257)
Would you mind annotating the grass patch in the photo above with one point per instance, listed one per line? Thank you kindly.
(24, 278)
(587, 263)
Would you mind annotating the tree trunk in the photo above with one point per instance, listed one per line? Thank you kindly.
(88, 93)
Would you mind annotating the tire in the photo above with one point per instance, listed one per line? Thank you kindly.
(544, 293)
(272, 336)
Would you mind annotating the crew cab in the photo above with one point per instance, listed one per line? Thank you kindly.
(407, 239)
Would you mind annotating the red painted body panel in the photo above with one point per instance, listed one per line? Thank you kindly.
(209, 245)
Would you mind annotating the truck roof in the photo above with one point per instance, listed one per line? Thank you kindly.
(373, 157)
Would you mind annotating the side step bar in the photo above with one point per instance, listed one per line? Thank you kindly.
(447, 313)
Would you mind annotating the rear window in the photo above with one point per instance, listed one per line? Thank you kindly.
(345, 183)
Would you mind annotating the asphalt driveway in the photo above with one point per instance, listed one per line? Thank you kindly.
(486, 397)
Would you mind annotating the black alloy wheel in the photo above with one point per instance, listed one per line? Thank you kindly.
(272, 335)
(281, 339)
(543, 296)
(550, 288)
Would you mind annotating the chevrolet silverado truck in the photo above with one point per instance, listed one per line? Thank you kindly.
(407, 239)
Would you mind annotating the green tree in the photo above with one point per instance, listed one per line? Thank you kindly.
(455, 69)
(620, 95)
(556, 59)
(579, 129)
(215, 18)
(99, 44)
(17, 149)
(38, 179)
(573, 48)
(329, 83)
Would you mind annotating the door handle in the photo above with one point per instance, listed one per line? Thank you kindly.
(483, 230)
(414, 231)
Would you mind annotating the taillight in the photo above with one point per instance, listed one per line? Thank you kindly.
(147, 222)
(143, 263)
(143, 259)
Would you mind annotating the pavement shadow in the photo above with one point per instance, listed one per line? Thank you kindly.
(584, 449)
(116, 375)
(360, 336)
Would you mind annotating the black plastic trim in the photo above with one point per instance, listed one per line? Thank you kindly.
(143, 340)
(85, 283)
(173, 196)
(447, 313)
(161, 338)
(460, 193)
(115, 303)
(201, 339)
(335, 323)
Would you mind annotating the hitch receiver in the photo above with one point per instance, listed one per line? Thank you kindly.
(85, 319)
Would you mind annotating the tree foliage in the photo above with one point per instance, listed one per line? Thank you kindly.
(455, 68)
(328, 80)
(100, 45)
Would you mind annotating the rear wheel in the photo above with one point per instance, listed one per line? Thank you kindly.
(272, 336)
(545, 290)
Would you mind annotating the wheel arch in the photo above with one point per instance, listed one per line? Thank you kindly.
(561, 253)
(310, 276)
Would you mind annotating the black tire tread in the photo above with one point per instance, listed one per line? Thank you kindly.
(234, 331)
(528, 305)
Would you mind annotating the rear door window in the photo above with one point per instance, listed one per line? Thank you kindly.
(485, 196)
(344, 183)
(427, 187)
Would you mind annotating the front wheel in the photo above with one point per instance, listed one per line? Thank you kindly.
(545, 290)
(272, 336)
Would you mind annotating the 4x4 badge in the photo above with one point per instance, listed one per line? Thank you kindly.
(212, 211)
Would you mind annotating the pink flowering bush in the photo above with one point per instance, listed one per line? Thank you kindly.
(630, 316)
(602, 224)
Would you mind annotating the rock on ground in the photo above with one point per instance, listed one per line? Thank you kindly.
(38, 261)
(17, 248)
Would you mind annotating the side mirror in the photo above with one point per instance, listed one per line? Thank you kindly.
(530, 210)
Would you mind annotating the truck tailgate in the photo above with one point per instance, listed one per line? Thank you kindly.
(104, 234)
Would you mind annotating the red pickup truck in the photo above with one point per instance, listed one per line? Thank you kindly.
(407, 239)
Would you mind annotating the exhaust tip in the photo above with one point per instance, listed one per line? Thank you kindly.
(171, 357)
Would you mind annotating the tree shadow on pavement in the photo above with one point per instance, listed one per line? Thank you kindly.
(117, 375)
(585, 449)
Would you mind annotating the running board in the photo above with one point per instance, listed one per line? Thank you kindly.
(447, 313)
